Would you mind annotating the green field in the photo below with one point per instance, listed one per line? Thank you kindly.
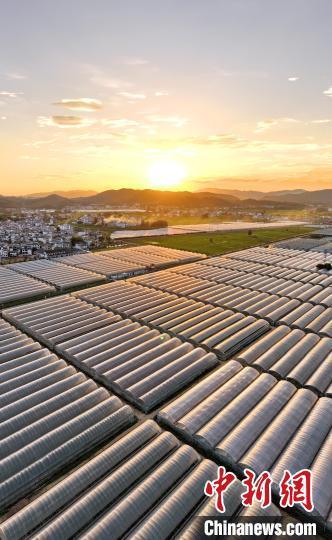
(223, 242)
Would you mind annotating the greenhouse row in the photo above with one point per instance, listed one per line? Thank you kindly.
(159, 341)
(61, 276)
(310, 318)
(326, 248)
(58, 319)
(199, 288)
(271, 255)
(258, 282)
(289, 258)
(164, 479)
(131, 299)
(303, 244)
(315, 278)
(308, 358)
(214, 328)
(153, 255)
(50, 415)
(127, 262)
(111, 268)
(262, 305)
(304, 359)
(145, 365)
(17, 287)
(249, 420)
(85, 269)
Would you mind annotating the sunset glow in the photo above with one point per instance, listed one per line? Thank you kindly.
(166, 174)
(132, 81)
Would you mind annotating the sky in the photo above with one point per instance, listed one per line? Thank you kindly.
(178, 94)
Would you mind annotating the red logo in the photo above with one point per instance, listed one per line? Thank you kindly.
(258, 489)
(293, 489)
(218, 487)
(296, 489)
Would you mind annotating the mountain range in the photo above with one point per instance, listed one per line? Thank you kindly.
(299, 196)
(72, 194)
(255, 194)
(213, 198)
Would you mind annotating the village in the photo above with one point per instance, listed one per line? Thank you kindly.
(45, 233)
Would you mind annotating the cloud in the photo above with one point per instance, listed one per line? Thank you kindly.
(97, 151)
(16, 76)
(328, 92)
(224, 139)
(160, 94)
(275, 146)
(101, 80)
(134, 61)
(230, 141)
(256, 180)
(3, 117)
(64, 121)
(220, 72)
(264, 125)
(95, 136)
(322, 121)
(80, 104)
(132, 95)
(11, 94)
(38, 144)
(119, 123)
(176, 121)
(105, 79)
(293, 79)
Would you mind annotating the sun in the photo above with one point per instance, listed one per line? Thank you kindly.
(166, 174)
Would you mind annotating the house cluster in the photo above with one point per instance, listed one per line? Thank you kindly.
(33, 234)
(90, 219)
(122, 222)
(43, 234)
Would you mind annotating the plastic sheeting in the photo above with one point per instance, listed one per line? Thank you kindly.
(145, 485)
(152, 256)
(225, 262)
(50, 415)
(58, 319)
(145, 366)
(110, 267)
(310, 318)
(62, 277)
(121, 263)
(214, 328)
(263, 305)
(250, 420)
(304, 359)
(15, 287)
(289, 258)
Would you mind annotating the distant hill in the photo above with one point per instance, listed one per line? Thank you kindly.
(144, 198)
(153, 197)
(49, 202)
(258, 195)
(323, 196)
(124, 197)
(297, 196)
(72, 194)
(235, 193)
